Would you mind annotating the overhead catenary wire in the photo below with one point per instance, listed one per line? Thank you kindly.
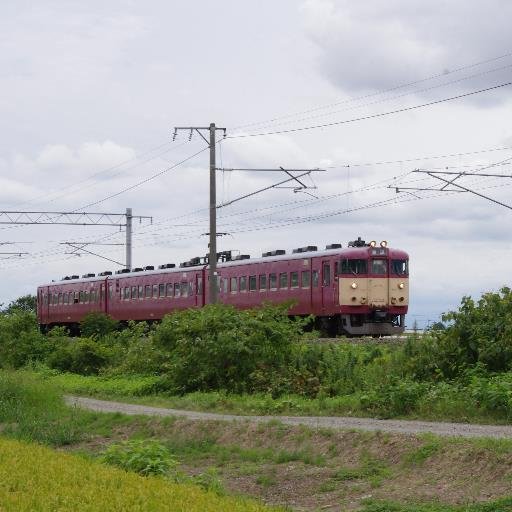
(377, 93)
(370, 116)
(391, 98)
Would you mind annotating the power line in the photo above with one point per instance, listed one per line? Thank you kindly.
(391, 98)
(138, 184)
(371, 116)
(377, 93)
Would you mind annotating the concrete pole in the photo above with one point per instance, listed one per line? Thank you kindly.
(129, 219)
(213, 221)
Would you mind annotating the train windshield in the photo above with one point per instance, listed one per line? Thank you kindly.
(379, 266)
(400, 267)
(354, 266)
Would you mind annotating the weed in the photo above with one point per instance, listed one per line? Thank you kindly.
(142, 457)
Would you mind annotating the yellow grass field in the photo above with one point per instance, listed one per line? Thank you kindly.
(36, 478)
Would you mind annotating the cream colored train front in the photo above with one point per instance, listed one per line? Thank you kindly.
(373, 289)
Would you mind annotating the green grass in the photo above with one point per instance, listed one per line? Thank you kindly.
(503, 505)
(34, 478)
(448, 403)
(372, 469)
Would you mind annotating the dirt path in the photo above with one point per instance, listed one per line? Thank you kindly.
(369, 424)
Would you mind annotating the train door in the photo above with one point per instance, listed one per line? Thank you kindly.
(199, 301)
(326, 280)
(43, 304)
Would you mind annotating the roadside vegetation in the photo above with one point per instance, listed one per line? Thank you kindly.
(178, 464)
(262, 362)
(256, 362)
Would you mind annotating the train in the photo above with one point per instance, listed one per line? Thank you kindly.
(358, 290)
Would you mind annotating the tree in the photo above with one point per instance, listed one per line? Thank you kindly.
(27, 303)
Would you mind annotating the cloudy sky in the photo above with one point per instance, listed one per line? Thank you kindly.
(370, 91)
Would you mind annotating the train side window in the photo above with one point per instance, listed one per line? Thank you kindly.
(184, 289)
(200, 285)
(161, 290)
(283, 280)
(102, 292)
(294, 279)
(75, 297)
(141, 291)
(272, 278)
(134, 292)
(243, 284)
(233, 285)
(191, 287)
(155, 291)
(225, 284)
(86, 297)
(252, 283)
(326, 274)
(81, 297)
(176, 289)
(169, 290)
(64, 298)
(111, 291)
(148, 291)
(126, 293)
(93, 296)
(263, 282)
(315, 278)
(60, 298)
(306, 279)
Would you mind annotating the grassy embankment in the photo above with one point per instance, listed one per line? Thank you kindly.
(284, 465)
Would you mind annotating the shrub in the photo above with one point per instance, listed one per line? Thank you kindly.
(480, 332)
(97, 325)
(84, 356)
(20, 340)
(220, 347)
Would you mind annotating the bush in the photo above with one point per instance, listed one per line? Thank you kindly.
(20, 340)
(395, 399)
(220, 347)
(480, 332)
(84, 356)
(97, 325)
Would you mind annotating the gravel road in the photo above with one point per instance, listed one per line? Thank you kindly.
(338, 422)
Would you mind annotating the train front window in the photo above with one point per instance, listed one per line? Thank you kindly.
(400, 267)
(379, 267)
(354, 267)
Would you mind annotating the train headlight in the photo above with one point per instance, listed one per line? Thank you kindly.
(353, 286)
(401, 286)
(384, 243)
(373, 243)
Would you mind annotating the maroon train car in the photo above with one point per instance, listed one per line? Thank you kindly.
(362, 289)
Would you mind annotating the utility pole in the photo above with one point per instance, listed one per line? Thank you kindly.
(212, 255)
(129, 219)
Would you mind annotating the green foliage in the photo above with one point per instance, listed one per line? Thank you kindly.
(97, 325)
(25, 304)
(145, 457)
(20, 340)
(479, 332)
(33, 410)
(220, 347)
(84, 356)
